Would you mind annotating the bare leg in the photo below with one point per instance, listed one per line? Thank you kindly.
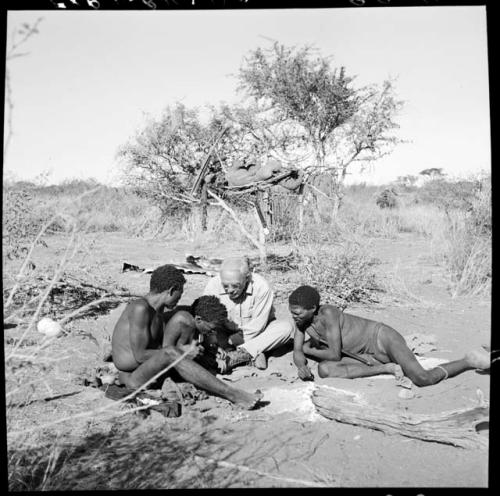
(355, 369)
(397, 350)
(191, 372)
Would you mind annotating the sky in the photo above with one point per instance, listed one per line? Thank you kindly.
(90, 78)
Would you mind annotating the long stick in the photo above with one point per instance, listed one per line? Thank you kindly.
(204, 167)
(228, 209)
(243, 468)
(104, 299)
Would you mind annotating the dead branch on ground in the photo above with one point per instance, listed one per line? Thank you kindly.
(455, 427)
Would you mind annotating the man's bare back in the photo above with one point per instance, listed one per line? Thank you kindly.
(151, 334)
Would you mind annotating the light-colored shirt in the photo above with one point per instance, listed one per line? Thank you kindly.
(255, 310)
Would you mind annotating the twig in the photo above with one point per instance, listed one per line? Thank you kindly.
(228, 209)
(27, 259)
(106, 407)
(320, 192)
(47, 398)
(104, 299)
(243, 468)
(47, 292)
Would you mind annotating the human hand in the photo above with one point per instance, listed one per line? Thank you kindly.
(231, 326)
(221, 353)
(305, 373)
(193, 350)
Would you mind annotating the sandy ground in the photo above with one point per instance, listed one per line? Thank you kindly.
(286, 442)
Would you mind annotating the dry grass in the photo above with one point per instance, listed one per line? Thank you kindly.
(31, 359)
(341, 270)
(220, 227)
(101, 208)
(466, 253)
(138, 455)
(333, 255)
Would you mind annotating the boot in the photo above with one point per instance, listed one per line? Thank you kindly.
(232, 359)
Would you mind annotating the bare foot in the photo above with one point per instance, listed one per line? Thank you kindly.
(246, 400)
(478, 359)
(395, 369)
(402, 381)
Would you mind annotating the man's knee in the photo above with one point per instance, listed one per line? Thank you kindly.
(329, 369)
(421, 378)
(283, 327)
(170, 353)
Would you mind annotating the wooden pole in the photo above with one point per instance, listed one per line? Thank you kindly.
(267, 200)
(204, 167)
(300, 202)
(227, 208)
(263, 232)
(204, 206)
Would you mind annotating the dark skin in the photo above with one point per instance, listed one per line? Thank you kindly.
(394, 358)
(142, 347)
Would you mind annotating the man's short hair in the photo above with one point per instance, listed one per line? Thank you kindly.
(165, 278)
(209, 308)
(305, 297)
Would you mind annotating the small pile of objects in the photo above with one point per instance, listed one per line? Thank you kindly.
(168, 400)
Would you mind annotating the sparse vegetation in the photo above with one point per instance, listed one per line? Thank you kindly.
(331, 254)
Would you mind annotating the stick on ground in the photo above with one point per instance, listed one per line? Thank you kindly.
(455, 427)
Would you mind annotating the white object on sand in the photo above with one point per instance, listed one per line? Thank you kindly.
(108, 379)
(49, 327)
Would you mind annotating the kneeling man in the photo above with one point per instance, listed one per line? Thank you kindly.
(142, 345)
(251, 324)
(331, 332)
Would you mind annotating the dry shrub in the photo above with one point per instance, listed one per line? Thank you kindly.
(387, 198)
(22, 221)
(342, 272)
(364, 220)
(100, 209)
(465, 246)
(467, 255)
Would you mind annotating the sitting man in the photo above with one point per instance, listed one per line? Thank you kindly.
(251, 323)
(141, 348)
(332, 332)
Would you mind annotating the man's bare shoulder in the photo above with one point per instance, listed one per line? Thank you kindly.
(182, 317)
(135, 313)
(138, 310)
(329, 312)
(137, 306)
